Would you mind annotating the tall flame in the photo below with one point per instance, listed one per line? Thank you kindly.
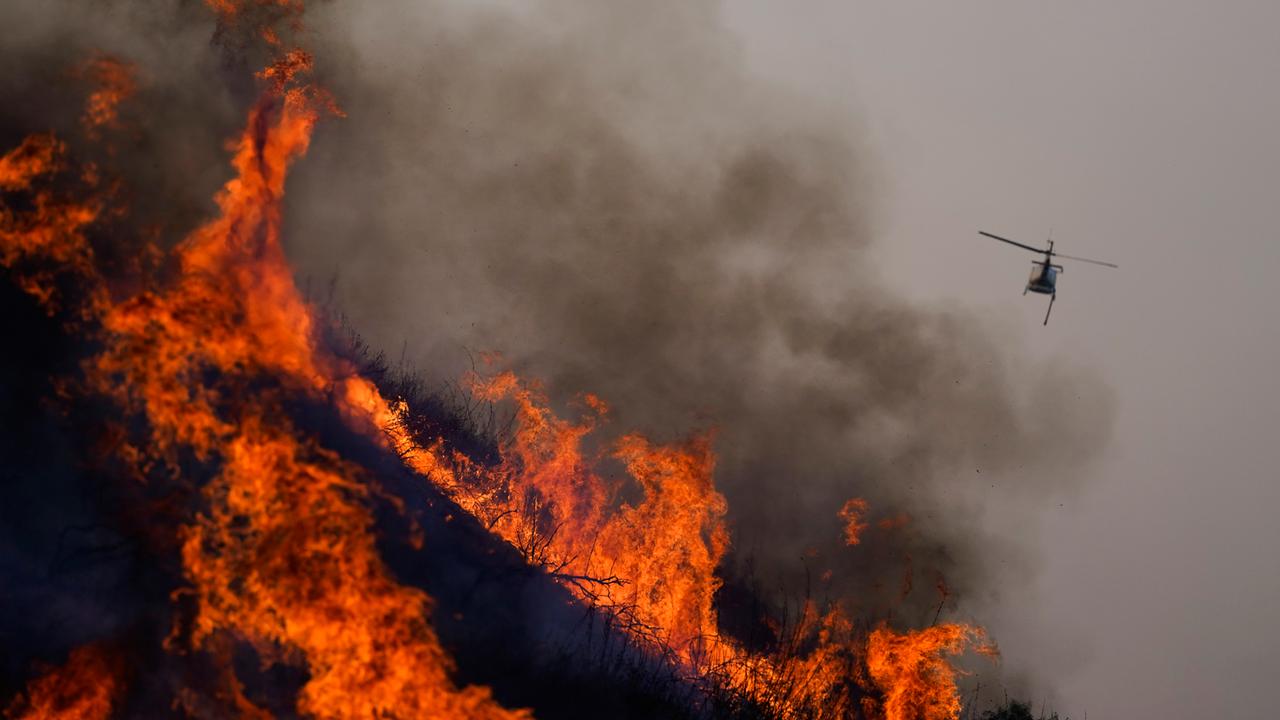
(912, 671)
(285, 555)
(654, 561)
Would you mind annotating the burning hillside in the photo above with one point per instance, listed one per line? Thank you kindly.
(221, 504)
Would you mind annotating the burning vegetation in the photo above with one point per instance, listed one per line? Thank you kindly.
(309, 535)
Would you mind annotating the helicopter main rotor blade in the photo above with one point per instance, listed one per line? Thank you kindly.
(1011, 242)
(1095, 262)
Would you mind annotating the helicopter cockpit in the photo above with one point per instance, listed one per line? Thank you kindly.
(1044, 278)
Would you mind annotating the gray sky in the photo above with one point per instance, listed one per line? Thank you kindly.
(1145, 133)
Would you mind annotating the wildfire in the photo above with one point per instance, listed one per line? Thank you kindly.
(853, 513)
(48, 238)
(114, 81)
(912, 671)
(85, 688)
(284, 557)
(655, 560)
(282, 554)
(34, 157)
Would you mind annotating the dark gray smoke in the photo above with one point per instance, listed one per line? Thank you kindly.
(600, 191)
(190, 99)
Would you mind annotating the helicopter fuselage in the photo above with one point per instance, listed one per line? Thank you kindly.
(1044, 278)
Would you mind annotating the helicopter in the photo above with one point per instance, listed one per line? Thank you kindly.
(1044, 273)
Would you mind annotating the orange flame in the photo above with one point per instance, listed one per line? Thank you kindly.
(114, 81)
(285, 556)
(654, 562)
(912, 672)
(854, 513)
(667, 547)
(34, 157)
(84, 688)
(50, 229)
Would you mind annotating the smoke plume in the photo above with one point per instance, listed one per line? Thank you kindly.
(600, 191)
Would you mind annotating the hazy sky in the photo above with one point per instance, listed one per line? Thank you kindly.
(1145, 133)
